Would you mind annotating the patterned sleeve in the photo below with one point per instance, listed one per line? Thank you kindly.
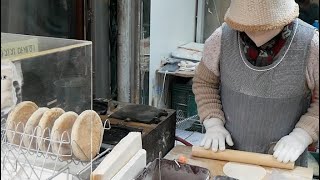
(207, 79)
(310, 120)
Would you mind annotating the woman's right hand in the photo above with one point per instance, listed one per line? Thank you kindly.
(216, 135)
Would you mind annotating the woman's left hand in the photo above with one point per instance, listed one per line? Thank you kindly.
(290, 147)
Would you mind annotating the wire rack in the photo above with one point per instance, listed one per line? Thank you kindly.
(28, 161)
(189, 130)
(191, 123)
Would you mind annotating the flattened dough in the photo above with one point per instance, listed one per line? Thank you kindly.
(29, 139)
(61, 132)
(45, 127)
(86, 124)
(244, 171)
(17, 120)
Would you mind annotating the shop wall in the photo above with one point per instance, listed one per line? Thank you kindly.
(172, 23)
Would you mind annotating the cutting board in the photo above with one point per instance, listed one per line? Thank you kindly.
(216, 167)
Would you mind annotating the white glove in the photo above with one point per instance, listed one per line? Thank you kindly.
(290, 147)
(216, 135)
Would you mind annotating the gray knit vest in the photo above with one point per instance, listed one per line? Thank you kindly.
(263, 104)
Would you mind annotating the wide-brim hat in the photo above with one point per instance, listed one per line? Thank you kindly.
(260, 15)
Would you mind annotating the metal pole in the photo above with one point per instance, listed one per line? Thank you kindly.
(124, 50)
(137, 39)
(201, 4)
(100, 37)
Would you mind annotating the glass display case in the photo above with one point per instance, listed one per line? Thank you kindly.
(48, 127)
(51, 72)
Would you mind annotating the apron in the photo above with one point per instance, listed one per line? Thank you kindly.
(263, 104)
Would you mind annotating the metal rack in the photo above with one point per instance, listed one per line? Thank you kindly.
(189, 130)
(191, 123)
(25, 162)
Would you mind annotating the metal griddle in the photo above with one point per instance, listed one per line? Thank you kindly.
(157, 125)
(139, 113)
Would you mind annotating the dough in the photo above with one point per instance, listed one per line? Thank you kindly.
(45, 126)
(244, 171)
(86, 124)
(61, 132)
(30, 127)
(17, 120)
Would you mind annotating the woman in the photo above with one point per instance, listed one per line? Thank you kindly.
(254, 83)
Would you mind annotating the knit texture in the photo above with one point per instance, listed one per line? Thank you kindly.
(207, 95)
(207, 81)
(310, 120)
(211, 51)
(252, 15)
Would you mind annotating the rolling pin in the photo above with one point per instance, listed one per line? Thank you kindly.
(241, 157)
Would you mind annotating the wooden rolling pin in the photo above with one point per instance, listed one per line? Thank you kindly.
(241, 157)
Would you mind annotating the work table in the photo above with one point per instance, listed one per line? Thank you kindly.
(216, 167)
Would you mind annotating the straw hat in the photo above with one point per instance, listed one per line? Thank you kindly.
(260, 15)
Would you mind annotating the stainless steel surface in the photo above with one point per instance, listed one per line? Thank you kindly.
(170, 171)
(177, 163)
(223, 178)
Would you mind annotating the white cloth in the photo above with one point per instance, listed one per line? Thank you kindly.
(216, 135)
(187, 65)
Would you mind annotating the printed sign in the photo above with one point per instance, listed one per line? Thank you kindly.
(16, 48)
